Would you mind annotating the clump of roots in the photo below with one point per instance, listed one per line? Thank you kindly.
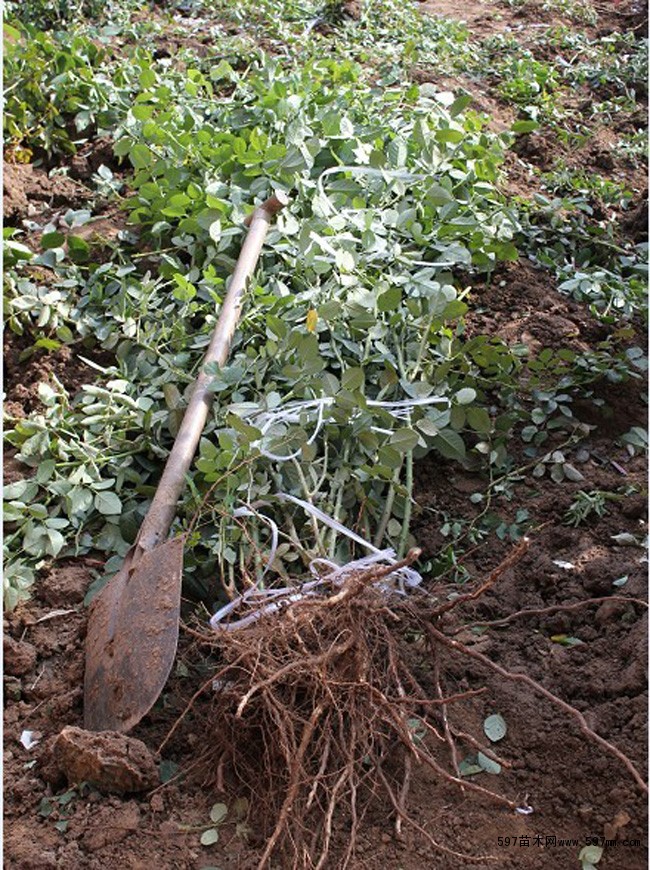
(325, 707)
(318, 710)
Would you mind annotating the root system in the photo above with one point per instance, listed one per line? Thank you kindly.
(323, 709)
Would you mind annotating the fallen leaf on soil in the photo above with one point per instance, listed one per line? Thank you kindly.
(495, 727)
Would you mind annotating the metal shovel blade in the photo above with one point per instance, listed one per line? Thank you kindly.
(133, 644)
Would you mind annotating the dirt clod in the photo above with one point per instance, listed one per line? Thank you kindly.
(112, 826)
(111, 762)
(19, 656)
(25, 185)
(64, 586)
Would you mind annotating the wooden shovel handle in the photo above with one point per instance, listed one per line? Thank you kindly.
(162, 510)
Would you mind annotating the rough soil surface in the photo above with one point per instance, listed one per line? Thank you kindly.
(25, 368)
(55, 817)
(29, 190)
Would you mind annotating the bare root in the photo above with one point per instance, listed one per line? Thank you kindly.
(320, 714)
(323, 709)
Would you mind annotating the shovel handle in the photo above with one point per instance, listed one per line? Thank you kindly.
(162, 510)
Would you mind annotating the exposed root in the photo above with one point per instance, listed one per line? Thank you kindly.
(547, 611)
(323, 709)
(537, 687)
(321, 712)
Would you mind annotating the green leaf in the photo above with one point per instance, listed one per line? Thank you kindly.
(449, 444)
(24, 490)
(465, 396)
(572, 473)
(397, 152)
(210, 837)
(460, 104)
(487, 764)
(353, 379)
(495, 727)
(45, 807)
(167, 770)
(218, 813)
(140, 156)
(438, 195)
(428, 426)
(468, 767)
(249, 433)
(78, 249)
(107, 503)
(404, 439)
(52, 240)
(526, 126)
(479, 420)
(390, 300)
(449, 135)
(390, 457)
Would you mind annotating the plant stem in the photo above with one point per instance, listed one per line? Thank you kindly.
(408, 507)
(309, 497)
(388, 507)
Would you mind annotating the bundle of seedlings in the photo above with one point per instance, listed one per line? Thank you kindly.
(325, 699)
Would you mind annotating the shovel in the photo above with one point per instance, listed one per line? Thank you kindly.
(134, 621)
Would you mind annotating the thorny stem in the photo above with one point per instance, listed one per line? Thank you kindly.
(537, 687)
(339, 500)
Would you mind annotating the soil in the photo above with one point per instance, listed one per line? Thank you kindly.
(26, 367)
(55, 819)
(29, 190)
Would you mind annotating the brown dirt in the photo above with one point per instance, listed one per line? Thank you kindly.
(24, 370)
(29, 190)
(90, 157)
(577, 790)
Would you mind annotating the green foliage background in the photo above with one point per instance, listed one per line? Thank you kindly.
(361, 294)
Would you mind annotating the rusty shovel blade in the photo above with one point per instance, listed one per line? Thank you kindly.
(135, 619)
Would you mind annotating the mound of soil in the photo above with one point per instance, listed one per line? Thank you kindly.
(29, 189)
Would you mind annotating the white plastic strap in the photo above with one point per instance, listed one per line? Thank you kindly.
(292, 411)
